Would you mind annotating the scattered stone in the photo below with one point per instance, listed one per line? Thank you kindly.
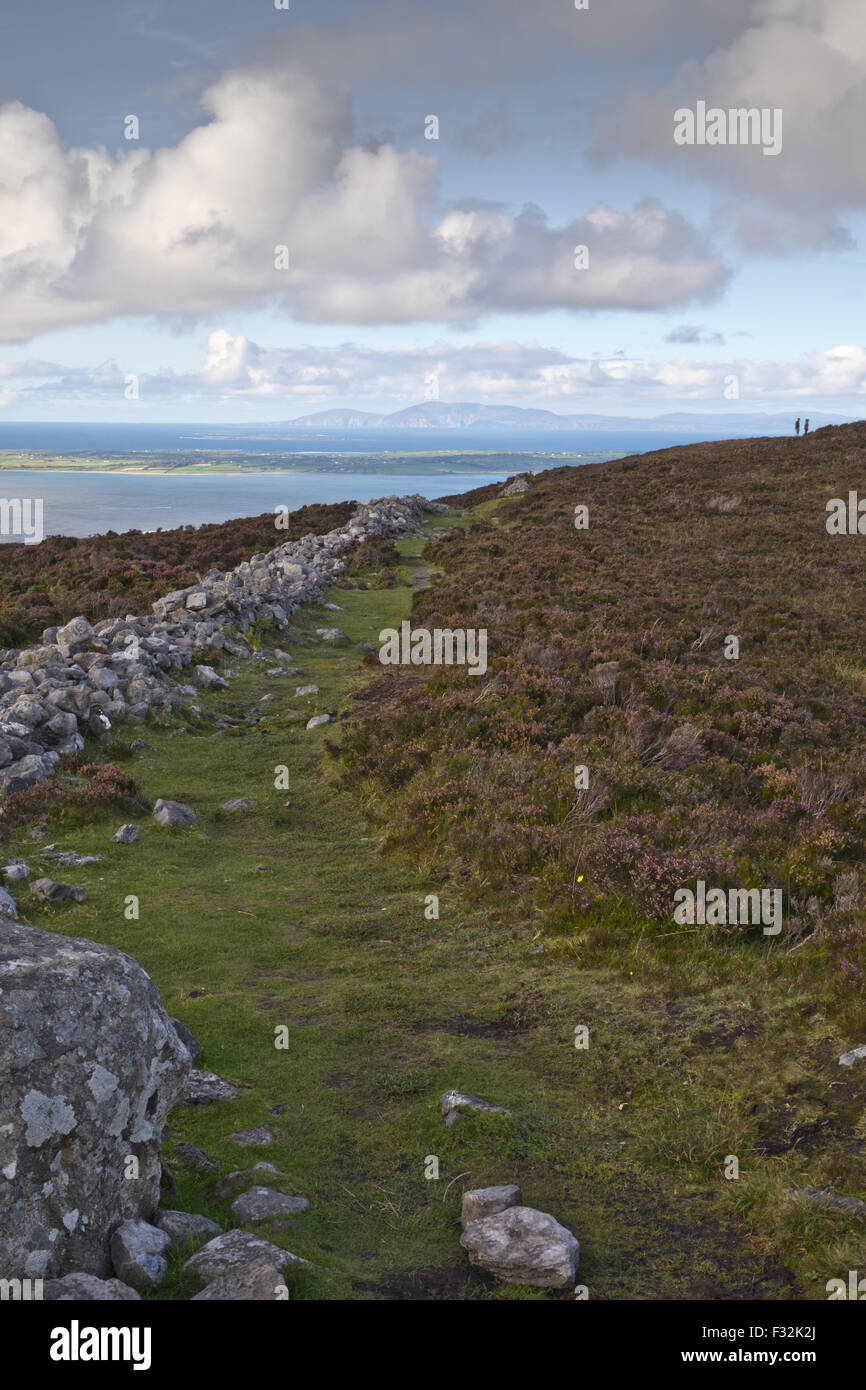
(137, 1254)
(523, 1246)
(126, 835)
(515, 489)
(181, 1226)
(48, 890)
(264, 1204)
(138, 745)
(8, 905)
(307, 690)
(488, 1201)
(452, 1102)
(170, 813)
(191, 1156)
(259, 1279)
(227, 1254)
(15, 872)
(815, 1197)
(849, 1058)
(239, 803)
(318, 719)
(253, 1138)
(207, 678)
(203, 1087)
(86, 1288)
(233, 1182)
(189, 1040)
(67, 859)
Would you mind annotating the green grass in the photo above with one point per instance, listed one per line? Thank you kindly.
(624, 1142)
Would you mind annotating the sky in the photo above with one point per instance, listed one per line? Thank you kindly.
(222, 210)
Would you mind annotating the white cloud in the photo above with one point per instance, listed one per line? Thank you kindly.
(301, 377)
(191, 229)
(804, 57)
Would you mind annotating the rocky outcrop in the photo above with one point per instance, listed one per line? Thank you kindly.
(82, 680)
(91, 1064)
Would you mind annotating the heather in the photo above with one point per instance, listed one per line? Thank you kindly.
(607, 649)
(113, 574)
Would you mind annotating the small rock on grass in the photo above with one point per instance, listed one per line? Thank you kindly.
(251, 1138)
(191, 1156)
(86, 1288)
(8, 905)
(264, 1204)
(126, 835)
(307, 690)
(523, 1246)
(452, 1102)
(170, 813)
(489, 1201)
(318, 719)
(68, 859)
(48, 890)
(181, 1226)
(857, 1054)
(227, 1254)
(202, 1087)
(15, 872)
(238, 803)
(260, 1280)
(233, 1182)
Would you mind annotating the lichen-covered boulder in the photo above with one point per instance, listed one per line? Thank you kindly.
(91, 1064)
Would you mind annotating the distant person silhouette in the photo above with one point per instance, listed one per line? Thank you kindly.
(806, 428)
(797, 427)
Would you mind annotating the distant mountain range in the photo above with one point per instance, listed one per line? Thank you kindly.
(439, 415)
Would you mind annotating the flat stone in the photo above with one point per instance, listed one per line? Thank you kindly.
(264, 1204)
(523, 1246)
(170, 813)
(126, 835)
(86, 1288)
(239, 803)
(488, 1201)
(230, 1252)
(48, 890)
(452, 1102)
(307, 690)
(849, 1058)
(137, 1254)
(68, 859)
(203, 1087)
(816, 1197)
(181, 1226)
(252, 1138)
(191, 1156)
(335, 635)
(242, 1177)
(259, 1280)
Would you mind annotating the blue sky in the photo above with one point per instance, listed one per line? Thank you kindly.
(137, 277)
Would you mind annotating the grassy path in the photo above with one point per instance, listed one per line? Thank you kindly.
(385, 1010)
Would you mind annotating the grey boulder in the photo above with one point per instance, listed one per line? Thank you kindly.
(86, 1288)
(48, 890)
(523, 1246)
(170, 813)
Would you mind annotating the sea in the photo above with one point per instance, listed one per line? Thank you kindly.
(91, 503)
